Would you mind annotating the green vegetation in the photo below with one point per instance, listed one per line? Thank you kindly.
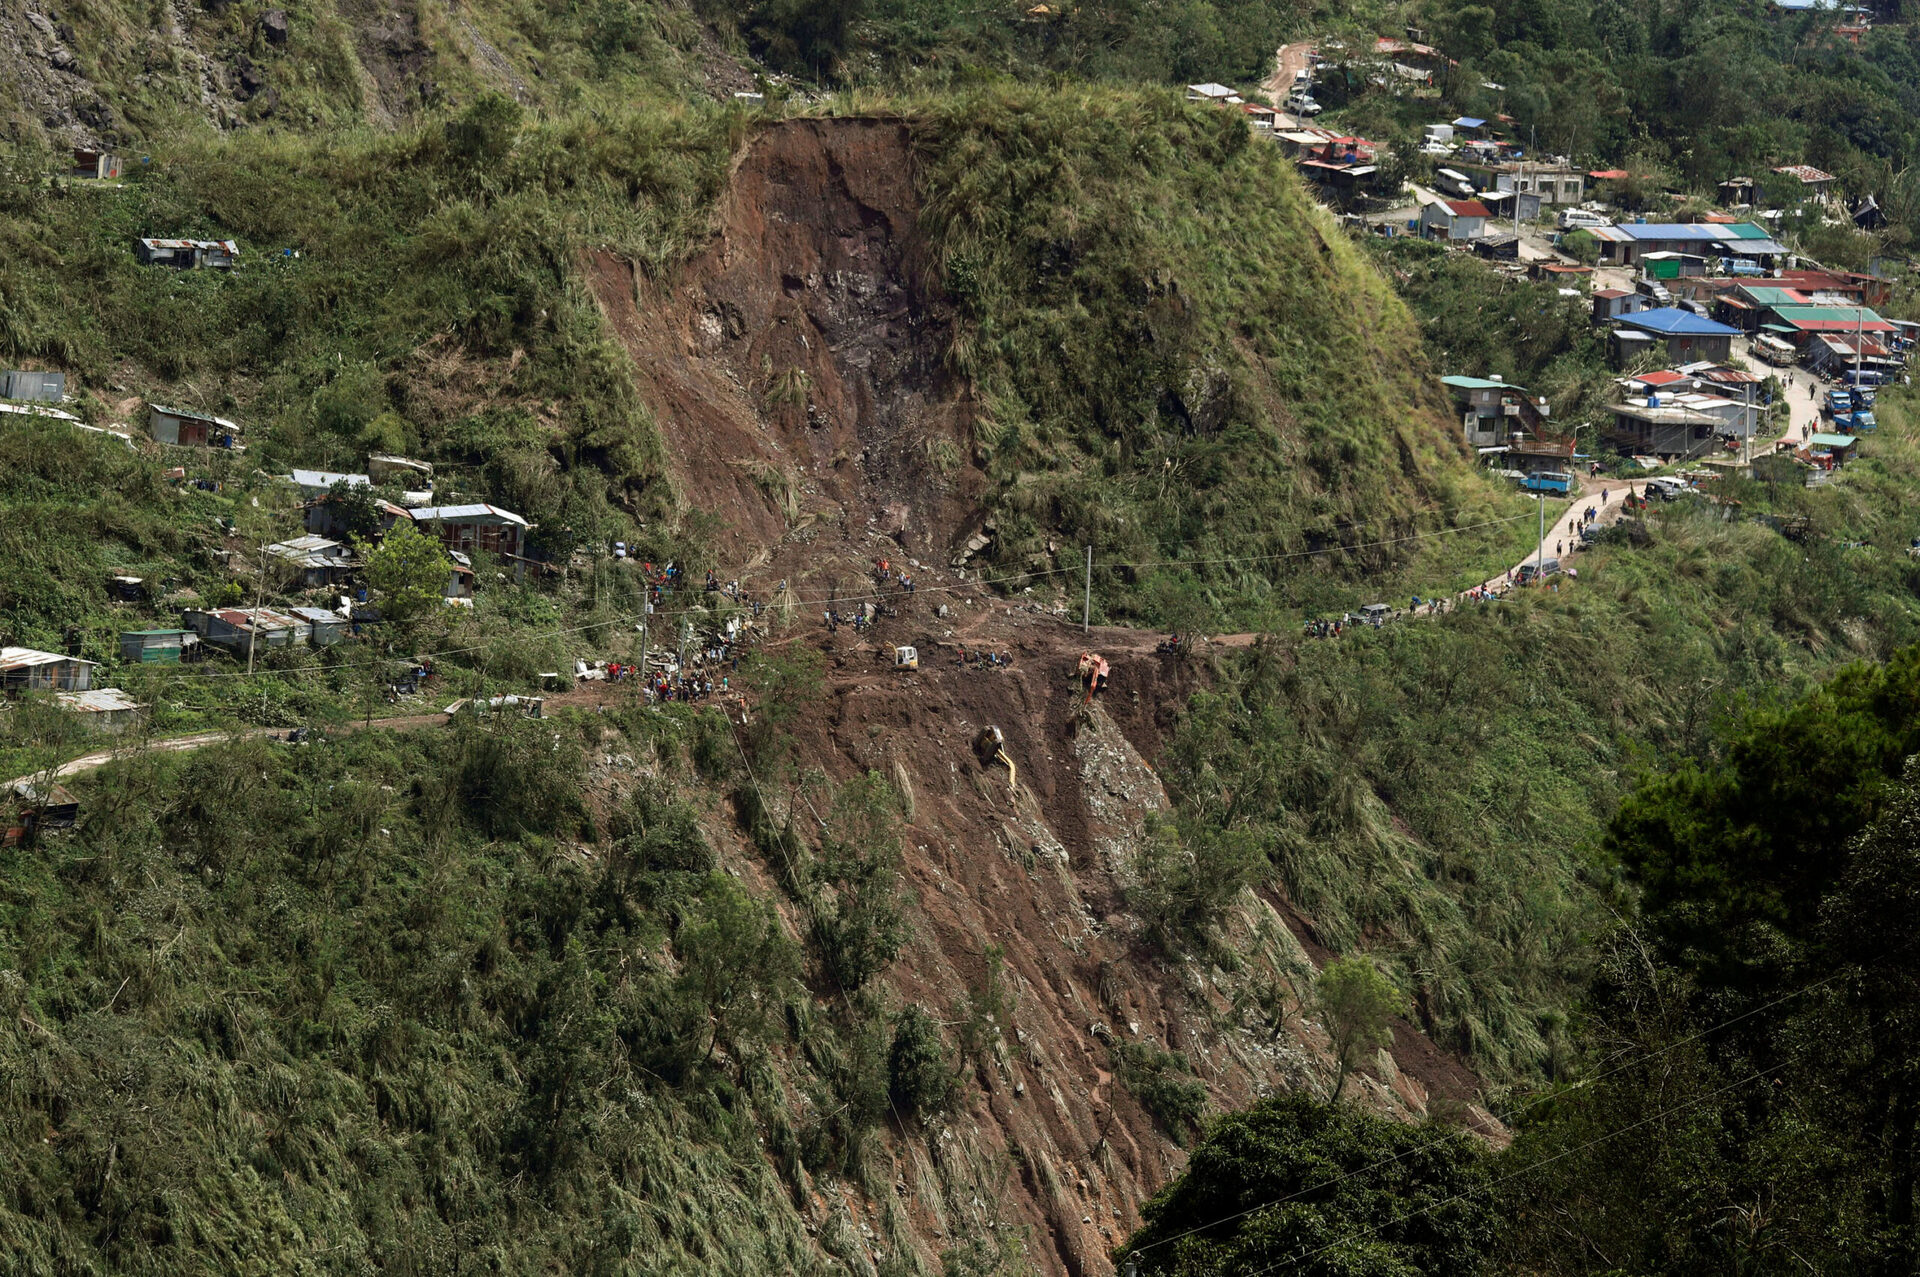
(1298, 1185)
(1357, 1004)
(379, 996)
(1172, 344)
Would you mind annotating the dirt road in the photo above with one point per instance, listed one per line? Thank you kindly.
(1288, 62)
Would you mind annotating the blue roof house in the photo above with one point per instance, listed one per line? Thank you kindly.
(1688, 337)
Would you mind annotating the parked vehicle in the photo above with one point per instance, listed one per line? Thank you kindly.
(1548, 481)
(1770, 349)
(1741, 266)
(1839, 403)
(1300, 104)
(1573, 219)
(1539, 570)
(1375, 614)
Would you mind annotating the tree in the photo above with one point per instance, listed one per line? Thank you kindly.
(1581, 246)
(408, 570)
(1302, 1186)
(355, 511)
(1357, 1002)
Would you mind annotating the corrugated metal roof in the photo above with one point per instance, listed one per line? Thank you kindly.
(1824, 440)
(1480, 383)
(31, 410)
(327, 478)
(1832, 318)
(188, 415)
(102, 700)
(1466, 208)
(1805, 172)
(443, 513)
(20, 658)
(1670, 321)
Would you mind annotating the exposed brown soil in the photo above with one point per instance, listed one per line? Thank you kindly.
(796, 367)
(796, 370)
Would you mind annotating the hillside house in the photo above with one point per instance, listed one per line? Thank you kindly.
(325, 627)
(1555, 186)
(1652, 427)
(1493, 411)
(466, 528)
(1736, 384)
(1796, 184)
(1455, 220)
(1217, 94)
(1611, 303)
(316, 483)
(1667, 266)
(34, 387)
(156, 647)
(404, 471)
(30, 810)
(319, 561)
(238, 630)
(23, 669)
(185, 429)
(1799, 324)
(104, 709)
(460, 579)
(187, 254)
(1688, 337)
(1626, 243)
(323, 518)
(95, 166)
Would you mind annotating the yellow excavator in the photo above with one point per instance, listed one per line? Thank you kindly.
(990, 747)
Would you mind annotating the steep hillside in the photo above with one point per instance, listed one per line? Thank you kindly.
(1023, 322)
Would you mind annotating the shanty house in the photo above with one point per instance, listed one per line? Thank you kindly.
(156, 647)
(186, 429)
(239, 630)
(90, 165)
(1211, 92)
(30, 809)
(187, 254)
(1794, 184)
(323, 519)
(467, 528)
(1688, 337)
(22, 669)
(320, 561)
(315, 483)
(106, 709)
(1611, 303)
(324, 626)
(38, 387)
(1454, 219)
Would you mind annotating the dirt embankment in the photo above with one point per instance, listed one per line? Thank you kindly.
(796, 370)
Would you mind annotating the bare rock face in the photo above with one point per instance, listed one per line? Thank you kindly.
(273, 25)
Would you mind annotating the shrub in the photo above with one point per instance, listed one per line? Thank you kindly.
(921, 1080)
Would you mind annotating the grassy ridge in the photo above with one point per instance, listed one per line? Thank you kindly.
(1178, 355)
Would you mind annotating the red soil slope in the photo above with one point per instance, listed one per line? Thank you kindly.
(796, 372)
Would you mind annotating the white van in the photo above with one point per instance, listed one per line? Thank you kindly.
(1575, 219)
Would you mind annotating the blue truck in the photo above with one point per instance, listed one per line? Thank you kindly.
(1548, 481)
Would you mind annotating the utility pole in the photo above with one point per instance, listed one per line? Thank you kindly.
(253, 622)
(1086, 605)
(1540, 552)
